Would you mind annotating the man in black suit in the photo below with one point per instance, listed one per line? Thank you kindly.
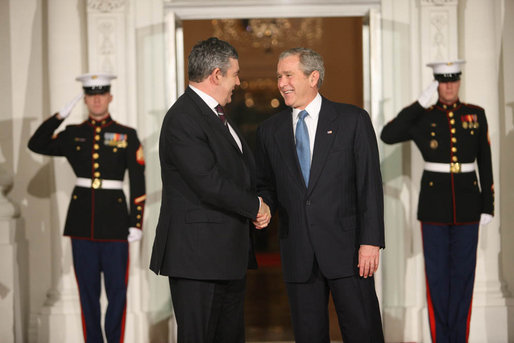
(203, 241)
(318, 166)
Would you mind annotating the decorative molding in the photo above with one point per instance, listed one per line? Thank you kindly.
(439, 36)
(438, 2)
(105, 5)
(106, 47)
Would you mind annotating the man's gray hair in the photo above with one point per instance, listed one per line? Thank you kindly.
(208, 55)
(310, 61)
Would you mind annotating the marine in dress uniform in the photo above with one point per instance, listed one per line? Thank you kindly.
(99, 222)
(452, 137)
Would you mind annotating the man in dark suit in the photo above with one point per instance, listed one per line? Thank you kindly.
(203, 240)
(451, 136)
(100, 151)
(318, 166)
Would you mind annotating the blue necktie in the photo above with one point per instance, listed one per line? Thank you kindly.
(303, 148)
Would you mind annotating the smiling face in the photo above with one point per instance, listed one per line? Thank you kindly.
(449, 92)
(297, 89)
(98, 105)
(228, 82)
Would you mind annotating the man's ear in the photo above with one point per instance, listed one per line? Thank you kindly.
(313, 78)
(215, 76)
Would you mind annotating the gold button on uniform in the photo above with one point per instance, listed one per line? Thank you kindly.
(95, 155)
(97, 174)
(97, 137)
(96, 146)
(115, 149)
(450, 114)
(98, 129)
(431, 183)
(96, 165)
(455, 159)
(452, 121)
(454, 140)
(454, 149)
(453, 130)
(432, 134)
(139, 208)
(75, 197)
(120, 200)
(78, 148)
(138, 216)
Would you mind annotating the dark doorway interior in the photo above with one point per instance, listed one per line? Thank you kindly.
(259, 43)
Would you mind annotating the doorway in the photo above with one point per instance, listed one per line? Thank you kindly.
(259, 43)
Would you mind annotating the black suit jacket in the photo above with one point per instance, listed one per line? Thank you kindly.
(208, 196)
(343, 206)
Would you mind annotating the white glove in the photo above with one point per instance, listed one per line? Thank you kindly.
(485, 218)
(135, 234)
(66, 110)
(426, 96)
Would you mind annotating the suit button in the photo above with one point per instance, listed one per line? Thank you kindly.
(308, 203)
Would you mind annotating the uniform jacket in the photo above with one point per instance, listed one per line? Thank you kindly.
(342, 207)
(98, 150)
(208, 196)
(445, 134)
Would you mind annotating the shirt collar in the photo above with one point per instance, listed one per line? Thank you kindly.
(312, 108)
(94, 122)
(209, 100)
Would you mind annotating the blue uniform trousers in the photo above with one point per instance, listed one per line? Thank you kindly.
(90, 259)
(450, 260)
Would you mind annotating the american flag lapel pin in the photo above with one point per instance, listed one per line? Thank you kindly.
(329, 132)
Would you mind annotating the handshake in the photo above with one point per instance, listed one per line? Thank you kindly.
(263, 216)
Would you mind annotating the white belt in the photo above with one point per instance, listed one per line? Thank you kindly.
(99, 183)
(449, 167)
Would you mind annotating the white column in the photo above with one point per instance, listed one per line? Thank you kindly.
(438, 42)
(111, 48)
(481, 48)
(60, 319)
(10, 321)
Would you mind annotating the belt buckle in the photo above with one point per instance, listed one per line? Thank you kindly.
(96, 183)
(455, 167)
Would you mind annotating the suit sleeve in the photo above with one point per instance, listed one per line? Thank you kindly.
(43, 140)
(188, 147)
(485, 167)
(398, 129)
(265, 178)
(370, 196)
(136, 171)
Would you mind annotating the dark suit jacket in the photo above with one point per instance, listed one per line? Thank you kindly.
(208, 196)
(343, 206)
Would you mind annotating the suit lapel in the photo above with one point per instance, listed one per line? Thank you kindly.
(284, 139)
(212, 120)
(325, 134)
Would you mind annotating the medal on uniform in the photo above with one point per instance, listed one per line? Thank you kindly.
(465, 125)
(433, 144)
(118, 140)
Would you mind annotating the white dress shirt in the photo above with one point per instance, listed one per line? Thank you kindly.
(311, 120)
(212, 103)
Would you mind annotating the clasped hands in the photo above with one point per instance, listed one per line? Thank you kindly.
(263, 216)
